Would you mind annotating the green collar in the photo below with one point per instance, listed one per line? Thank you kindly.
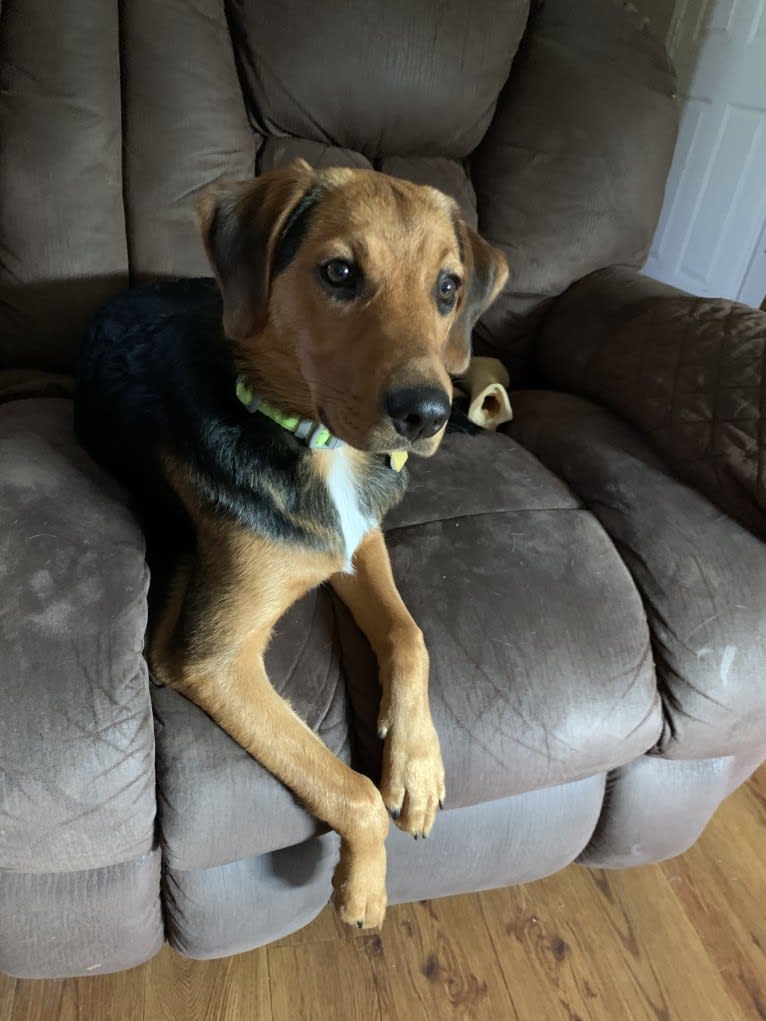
(313, 434)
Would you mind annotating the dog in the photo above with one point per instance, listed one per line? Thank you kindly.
(265, 417)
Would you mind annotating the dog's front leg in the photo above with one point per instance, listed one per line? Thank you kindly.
(209, 644)
(412, 782)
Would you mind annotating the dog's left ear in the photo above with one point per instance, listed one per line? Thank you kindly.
(241, 223)
(486, 272)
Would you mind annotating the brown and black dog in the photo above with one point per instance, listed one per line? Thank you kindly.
(348, 299)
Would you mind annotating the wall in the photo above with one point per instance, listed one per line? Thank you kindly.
(659, 13)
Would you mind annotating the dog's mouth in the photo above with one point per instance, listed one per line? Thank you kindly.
(382, 438)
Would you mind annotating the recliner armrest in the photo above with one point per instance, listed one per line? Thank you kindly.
(77, 784)
(689, 373)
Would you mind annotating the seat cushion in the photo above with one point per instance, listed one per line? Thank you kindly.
(656, 808)
(701, 575)
(231, 908)
(228, 909)
(541, 671)
(500, 843)
(86, 922)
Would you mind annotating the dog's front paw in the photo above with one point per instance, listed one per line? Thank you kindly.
(412, 781)
(359, 885)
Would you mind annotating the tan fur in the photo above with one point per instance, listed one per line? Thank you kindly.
(329, 360)
(316, 356)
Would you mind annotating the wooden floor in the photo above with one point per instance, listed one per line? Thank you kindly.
(684, 941)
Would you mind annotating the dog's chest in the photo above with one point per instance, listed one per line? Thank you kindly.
(355, 521)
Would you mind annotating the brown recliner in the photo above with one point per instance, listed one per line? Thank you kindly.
(591, 584)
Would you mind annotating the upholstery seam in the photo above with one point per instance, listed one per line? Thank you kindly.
(485, 514)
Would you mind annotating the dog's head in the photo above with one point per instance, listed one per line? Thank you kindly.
(351, 297)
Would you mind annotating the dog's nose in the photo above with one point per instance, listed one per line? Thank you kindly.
(417, 412)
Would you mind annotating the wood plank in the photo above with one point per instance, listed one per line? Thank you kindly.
(229, 989)
(7, 993)
(667, 961)
(330, 979)
(721, 884)
(604, 945)
(47, 999)
(436, 960)
(117, 997)
(540, 934)
(431, 960)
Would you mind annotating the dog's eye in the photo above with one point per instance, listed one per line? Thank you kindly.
(340, 278)
(447, 287)
(337, 273)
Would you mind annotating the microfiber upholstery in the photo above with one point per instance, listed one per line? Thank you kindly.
(689, 373)
(541, 671)
(702, 576)
(228, 908)
(62, 220)
(86, 922)
(184, 125)
(397, 88)
(656, 808)
(76, 736)
(571, 173)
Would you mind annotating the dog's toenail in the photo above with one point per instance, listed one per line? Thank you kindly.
(395, 813)
(359, 925)
(441, 804)
(415, 836)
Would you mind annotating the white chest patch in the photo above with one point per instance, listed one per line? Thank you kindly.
(354, 523)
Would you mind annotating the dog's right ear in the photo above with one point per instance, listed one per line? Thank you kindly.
(241, 224)
(487, 272)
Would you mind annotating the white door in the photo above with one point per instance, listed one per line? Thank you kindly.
(712, 227)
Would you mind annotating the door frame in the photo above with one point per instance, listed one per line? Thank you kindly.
(752, 289)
